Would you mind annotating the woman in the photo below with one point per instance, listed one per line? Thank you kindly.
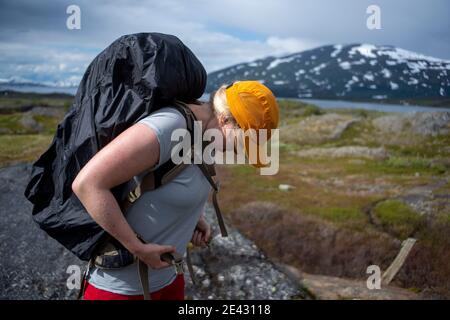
(172, 215)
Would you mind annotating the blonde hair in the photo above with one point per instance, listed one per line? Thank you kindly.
(218, 101)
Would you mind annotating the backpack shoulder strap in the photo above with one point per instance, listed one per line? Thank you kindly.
(209, 171)
(169, 170)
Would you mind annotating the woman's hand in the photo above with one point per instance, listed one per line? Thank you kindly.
(150, 254)
(202, 233)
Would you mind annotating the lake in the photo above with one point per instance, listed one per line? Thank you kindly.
(339, 104)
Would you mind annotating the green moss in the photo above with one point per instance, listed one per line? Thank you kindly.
(43, 100)
(49, 123)
(423, 147)
(443, 218)
(24, 147)
(409, 163)
(415, 290)
(340, 215)
(311, 110)
(10, 123)
(394, 166)
(398, 217)
(292, 111)
(358, 134)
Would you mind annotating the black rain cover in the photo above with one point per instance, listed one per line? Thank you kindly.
(131, 78)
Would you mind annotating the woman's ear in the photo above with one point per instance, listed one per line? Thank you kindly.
(222, 119)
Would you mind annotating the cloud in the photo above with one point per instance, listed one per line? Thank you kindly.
(282, 46)
(36, 44)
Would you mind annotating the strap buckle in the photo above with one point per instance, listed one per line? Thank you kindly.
(175, 259)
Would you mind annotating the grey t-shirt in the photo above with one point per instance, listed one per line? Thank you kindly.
(165, 216)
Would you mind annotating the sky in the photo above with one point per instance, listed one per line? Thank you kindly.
(36, 45)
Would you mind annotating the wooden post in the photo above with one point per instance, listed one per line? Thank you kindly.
(398, 262)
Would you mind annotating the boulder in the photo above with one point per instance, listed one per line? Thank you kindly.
(318, 128)
(418, 123)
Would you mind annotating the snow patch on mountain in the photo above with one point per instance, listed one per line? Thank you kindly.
(369, 76)
(318, 68)
(394, 86)
(337, 50)
(365, 50)
(278, 61)
(386, 73)
(345, 65)
(405, 55)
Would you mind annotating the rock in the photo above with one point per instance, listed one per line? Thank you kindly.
(423, 199)
(56, 112)
(393, 123)
(318, 129)
(30, 123)
(419, 123)
(333, 288)
(347, 151)
(285, 187)
(430, 123)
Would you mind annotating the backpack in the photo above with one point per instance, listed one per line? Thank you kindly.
(134, 76)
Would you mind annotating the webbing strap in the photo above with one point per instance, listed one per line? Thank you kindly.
(215, 186)
(189, 265)
(84, 280)
(223, 228)
(143, 274)
(143, 278)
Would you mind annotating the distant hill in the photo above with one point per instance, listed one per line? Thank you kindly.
(24, 85)
(356, 71)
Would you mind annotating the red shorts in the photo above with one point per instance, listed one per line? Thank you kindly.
(174, 291)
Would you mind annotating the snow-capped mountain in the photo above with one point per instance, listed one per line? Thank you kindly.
(357, 71)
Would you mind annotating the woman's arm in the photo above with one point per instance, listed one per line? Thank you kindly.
(133, 151)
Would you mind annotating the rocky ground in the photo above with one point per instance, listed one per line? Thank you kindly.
(234, 268)
(34, 266)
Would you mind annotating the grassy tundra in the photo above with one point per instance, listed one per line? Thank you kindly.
(360, 183)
